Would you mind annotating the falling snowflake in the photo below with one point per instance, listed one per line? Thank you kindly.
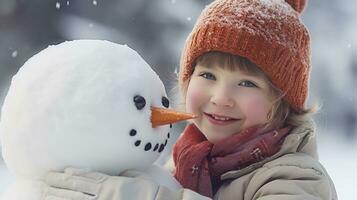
(14, 54)
(95, 2)
(67, 3)
(188, 18)
(58, 5)
(176, 71)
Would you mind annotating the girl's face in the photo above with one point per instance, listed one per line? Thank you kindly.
(226, 101)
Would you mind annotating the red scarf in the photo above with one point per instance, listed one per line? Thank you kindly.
(199, 163)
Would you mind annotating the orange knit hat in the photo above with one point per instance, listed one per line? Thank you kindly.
(267, 32)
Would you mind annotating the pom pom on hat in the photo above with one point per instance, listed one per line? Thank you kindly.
(298, 5)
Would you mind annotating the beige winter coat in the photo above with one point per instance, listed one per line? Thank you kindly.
(293, 173)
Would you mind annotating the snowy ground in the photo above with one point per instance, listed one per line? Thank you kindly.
(5, 177)
(338, 157)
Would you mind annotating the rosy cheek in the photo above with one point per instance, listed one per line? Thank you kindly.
(193, 99)
(255, 111)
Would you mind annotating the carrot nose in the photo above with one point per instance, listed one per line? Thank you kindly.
(163, 116)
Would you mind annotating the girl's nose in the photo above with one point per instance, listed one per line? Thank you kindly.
(221, 97)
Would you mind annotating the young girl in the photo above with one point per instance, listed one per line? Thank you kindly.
(244, 72)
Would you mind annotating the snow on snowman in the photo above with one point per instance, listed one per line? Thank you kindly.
(88, 104)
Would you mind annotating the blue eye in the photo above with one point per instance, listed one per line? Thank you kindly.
(208, 76)
(247, 84)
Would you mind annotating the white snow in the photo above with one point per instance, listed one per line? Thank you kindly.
(14, 54)
(280, 5)
(5, 177)
(339, 158)
(58, 5)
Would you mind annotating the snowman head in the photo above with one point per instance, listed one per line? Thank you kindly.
(85, 103)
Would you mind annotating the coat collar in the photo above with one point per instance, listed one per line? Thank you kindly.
(301, 139)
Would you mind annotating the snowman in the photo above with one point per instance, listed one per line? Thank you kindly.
(87, 104)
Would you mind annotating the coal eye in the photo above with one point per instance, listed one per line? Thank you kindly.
(165, 102)
(139, 102)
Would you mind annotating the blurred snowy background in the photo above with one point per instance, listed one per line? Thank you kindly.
(156, 29)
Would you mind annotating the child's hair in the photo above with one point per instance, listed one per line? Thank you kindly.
(281, 112)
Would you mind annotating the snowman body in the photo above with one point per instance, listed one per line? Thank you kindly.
(74, 105)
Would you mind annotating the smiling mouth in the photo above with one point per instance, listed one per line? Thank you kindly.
(219, 119)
